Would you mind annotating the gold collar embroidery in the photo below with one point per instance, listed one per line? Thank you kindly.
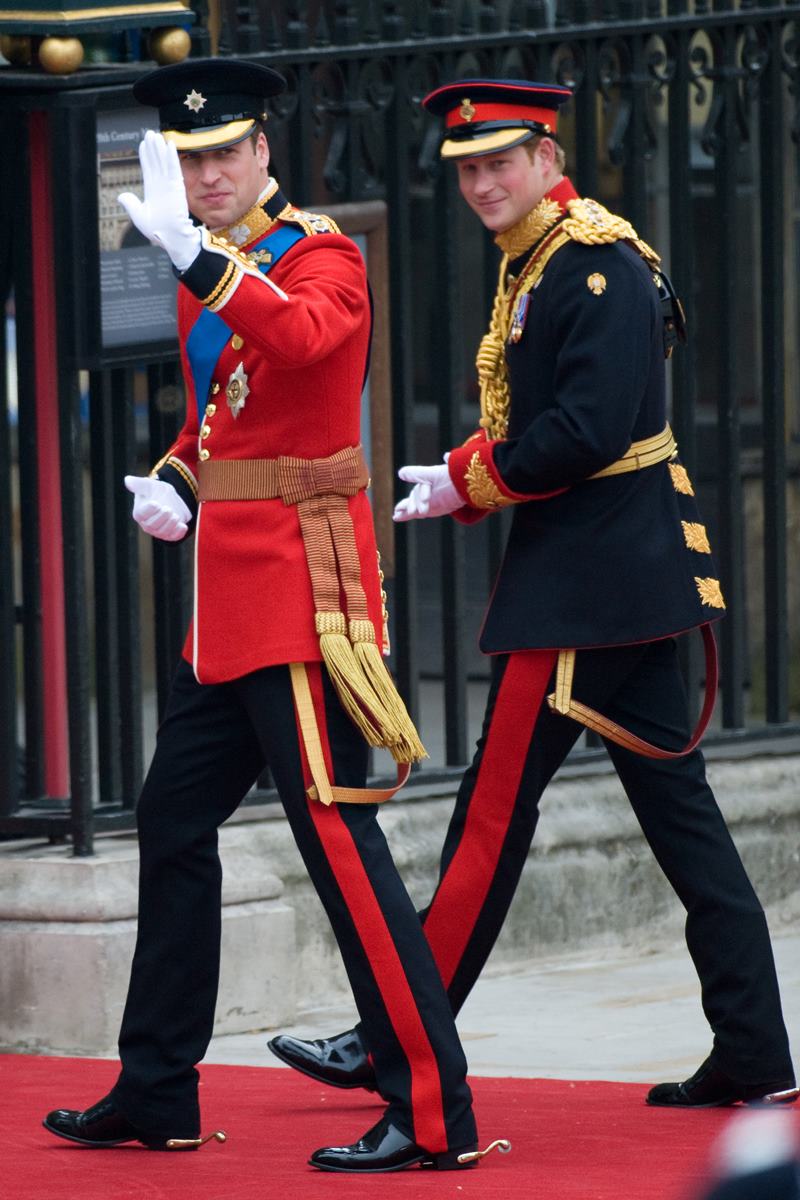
(533, 226)
(255, 222)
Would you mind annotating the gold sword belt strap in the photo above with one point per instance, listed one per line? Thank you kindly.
(645, 453)
(562, 701)
(287, 478)
(322, 789)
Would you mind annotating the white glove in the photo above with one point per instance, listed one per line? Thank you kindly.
(433, 496)
(163, 215)
(158, 508)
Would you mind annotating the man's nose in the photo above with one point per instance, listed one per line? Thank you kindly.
(209, 170)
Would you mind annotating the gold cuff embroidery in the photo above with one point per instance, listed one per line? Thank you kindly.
(696, 537)
(680, 479)
(710, 592)
(185, 474)
(215, 291)
(230, 283)
(482, 490)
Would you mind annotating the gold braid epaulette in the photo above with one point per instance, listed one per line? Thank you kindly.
(587, 222)
(593, 225)
(310, 223)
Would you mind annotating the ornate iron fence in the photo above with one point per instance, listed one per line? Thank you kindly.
(685, 118)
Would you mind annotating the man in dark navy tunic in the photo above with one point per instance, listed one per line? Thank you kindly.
(607, 561)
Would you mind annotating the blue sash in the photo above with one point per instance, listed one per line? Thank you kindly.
(209, 334)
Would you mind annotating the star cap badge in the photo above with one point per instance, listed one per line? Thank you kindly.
(237, 390)
(194, 100)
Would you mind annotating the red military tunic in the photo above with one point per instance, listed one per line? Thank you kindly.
(298, 347)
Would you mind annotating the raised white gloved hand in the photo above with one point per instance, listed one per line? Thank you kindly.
(158, 508)
(433, 496)
(163, 215)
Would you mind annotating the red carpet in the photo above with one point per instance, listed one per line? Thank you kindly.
(571, 1141)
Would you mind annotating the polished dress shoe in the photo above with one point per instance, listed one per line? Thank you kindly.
(385, 1148)
(711, 1088)
(339, 1061)
(102, 1125)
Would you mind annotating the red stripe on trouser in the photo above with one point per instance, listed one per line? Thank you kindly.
(462, 892)
(357, 891)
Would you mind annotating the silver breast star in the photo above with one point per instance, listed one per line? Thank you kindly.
(237, 390)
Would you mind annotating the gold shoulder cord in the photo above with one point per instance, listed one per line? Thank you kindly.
(587, 222)
(593, 225)
(491, 357)
(491, 364)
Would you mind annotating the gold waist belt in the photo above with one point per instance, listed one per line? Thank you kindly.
(318, 488)
(645, 453)
(289, 479)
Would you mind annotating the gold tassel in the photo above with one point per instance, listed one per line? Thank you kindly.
(352, 688)
(400, 735)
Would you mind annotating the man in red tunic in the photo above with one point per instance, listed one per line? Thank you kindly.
(282, 663)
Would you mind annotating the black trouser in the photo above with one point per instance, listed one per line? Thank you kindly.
(212, 745)
(521, 746)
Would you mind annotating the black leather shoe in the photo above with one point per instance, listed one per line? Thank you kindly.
(711, 1088)
(385, 1148)
(339, 1061)
(101, 1126)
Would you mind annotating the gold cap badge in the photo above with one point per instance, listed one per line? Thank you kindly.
(596, 283)
(194, 100)
(467, 110)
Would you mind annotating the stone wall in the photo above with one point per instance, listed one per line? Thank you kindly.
(67, 925)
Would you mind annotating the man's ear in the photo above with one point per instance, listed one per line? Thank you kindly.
(262, 150)
(546, 150)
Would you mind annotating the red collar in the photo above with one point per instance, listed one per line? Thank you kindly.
(561, 193)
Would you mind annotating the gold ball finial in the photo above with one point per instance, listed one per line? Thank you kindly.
(61, 56)
(16, 49)
(170, 45)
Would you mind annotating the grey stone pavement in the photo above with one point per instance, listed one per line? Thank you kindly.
(626, 1015)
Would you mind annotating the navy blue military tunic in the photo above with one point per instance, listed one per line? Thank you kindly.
(601, 562)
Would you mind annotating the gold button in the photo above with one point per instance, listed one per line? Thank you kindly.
(214, 389)
(210, 410)
(205, 431)
(204, 454)
(237, 342)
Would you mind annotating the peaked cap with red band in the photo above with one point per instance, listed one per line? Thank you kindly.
(483, 116)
